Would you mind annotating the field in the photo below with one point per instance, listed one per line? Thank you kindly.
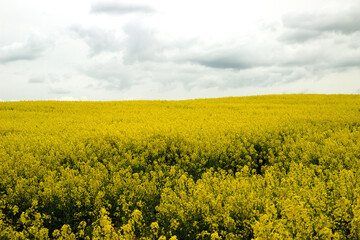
(261, 167)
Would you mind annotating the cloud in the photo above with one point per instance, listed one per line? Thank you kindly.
(349, 58)
(138, 44)
(231, 55)
(144, 44)
(143, 57)
(223, 61)
(58, 90)
(30, 49)
(141, 44)
(115, 8)
(255, 77)
(97, 39)
(112, 74)
(301, 27)
(298, 35)
(323, 55)
(49, 78)
(36, 80)
(342, 21)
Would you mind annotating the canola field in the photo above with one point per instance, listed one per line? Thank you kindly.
(260, 167)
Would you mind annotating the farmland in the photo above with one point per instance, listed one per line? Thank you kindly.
(260, 167)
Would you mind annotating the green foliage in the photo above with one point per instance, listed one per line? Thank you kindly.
(270, 167)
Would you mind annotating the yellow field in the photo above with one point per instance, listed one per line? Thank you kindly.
(262, 167)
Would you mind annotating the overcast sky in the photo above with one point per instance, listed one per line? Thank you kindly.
(116, 50)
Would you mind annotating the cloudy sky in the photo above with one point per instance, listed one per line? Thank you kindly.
(158, 49)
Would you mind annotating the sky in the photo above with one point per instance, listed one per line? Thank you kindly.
(158, 49)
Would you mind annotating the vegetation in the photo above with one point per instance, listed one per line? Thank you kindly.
(266, 167)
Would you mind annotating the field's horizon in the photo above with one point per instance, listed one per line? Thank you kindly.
(188, 99)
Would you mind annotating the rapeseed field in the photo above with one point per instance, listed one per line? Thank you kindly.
(260, 167)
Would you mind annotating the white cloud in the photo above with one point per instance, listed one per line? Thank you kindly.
(116, 8)
(30, 49)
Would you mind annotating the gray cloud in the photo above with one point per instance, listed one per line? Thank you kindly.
(115, 8)
(231, 56)
(141, 44)
(322, 55)
(302, 27)
(31, 49)
(298, 35)
(259, 77)
(36, 80)
(349, 58)
(223, 62)
(226, 79)
(143, 57)
(343, 21)
(112, 74)
(97, 39)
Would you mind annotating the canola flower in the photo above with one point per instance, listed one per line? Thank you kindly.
(261, 167)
